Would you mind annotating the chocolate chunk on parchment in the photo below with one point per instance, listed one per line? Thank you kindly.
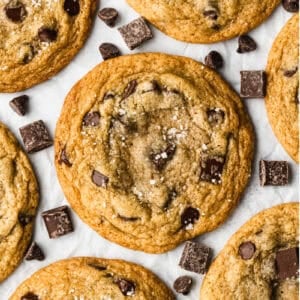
(100, 179)
(211, 169)
(183, 284)
(195, 257)
(189, 217)
(246, 250)
(47, 35)
(20, 104)
(291, 5)
(273, 172)
(109, 50)
(58, 221)
(91, 119)
(287, 263)
(246, 44)
(72, 7)
(30, 296)
(35, 136)
(127, 287)
(160, 159)
(109, 16)
(253, 84)
(136, 33)
(34, 252)
(214, 60)
(15, 11)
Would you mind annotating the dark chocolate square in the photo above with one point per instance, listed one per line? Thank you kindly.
(195, 257)
(35, 136)
(58, 221)
(253, 84)
(273, 172)
(287, 263)
(135, 33)
(19, 104)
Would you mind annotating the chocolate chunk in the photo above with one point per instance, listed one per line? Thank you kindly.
(287, 263)
(247, 250)
(91, 119)
(211, 13)
(128, 219)
(19, 104)
(246, 44)
(64, 159)
(97, 266)
(108, 16)
(108, 51)
(72, 7)
(189, 217)
(47, 35)
(215, 116)
(253, 84)
(99, 179)
(30, 296)
(24, 219)
(214, 60)
(127, 287)
(212, 168)
(27, 53)
(290, 73)
(183, 284)
(34, 252)
(35, 137)
(171, 197)
(291, 5)
(130, 89)
(58, 221)
(135, 33)
(160, 159)
(273, 172)
(195, 257)
(15, 11)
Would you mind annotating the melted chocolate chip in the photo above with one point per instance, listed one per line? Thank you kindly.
(30, 296)
(287, 263)
(171, 197)
(27, 53)
(291, 5)
(72, 7)
(130, 89)
(128, 219)
(97, 266)
(211, 169)
(109, 16)
(160, 159)
(64, 159)
(183, 284)
(99, 179)
(215, 116)
(15, 11)
(211, 14)
(246, 44)
(91, 119)
(247, 250)
(47, 35)
(127, 287)
(25, 219)
(189, 217)
(214, 60)
(290, 73)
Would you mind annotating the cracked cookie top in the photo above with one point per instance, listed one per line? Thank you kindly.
(204, 21)
(18, 202)
(153, 149)
(39, 37)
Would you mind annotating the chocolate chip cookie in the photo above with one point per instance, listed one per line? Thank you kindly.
(260, 261)
(152, 150)
(18, 202)
(39, 37)
(93, 278)
(204, 21)
(282, 100)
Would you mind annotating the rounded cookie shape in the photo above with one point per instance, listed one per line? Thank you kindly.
(152, 150)
(260, 259)
(19, 197)
(40, 37)
(282, 100)
(93, 278)
(204, 21)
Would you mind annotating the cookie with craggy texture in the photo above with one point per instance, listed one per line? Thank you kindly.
(18, 202)
(152, 150)
(93, 278)
(204, 21)
(282, 100)
(40, 37)
(260, 259)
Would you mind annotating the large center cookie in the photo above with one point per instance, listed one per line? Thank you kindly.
(18, 202)
(152, 150)
(204, 21)
(260, 261)
(282, 101)
(93, 278)
(39, 37)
